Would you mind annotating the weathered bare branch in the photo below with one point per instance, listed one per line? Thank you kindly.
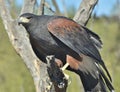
(84, 12)
(28, 6)
(48, 6)
(18, 38)
(41, 9)
(20, 41)
(56, 7)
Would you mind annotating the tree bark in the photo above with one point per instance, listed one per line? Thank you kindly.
(28, 6)
(56, 7)
(18, 38)
(41, 9)
(84, 12)
(20, 42)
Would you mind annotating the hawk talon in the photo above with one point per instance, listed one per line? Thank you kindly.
(61, 85)
(49, 86)
(66, 75)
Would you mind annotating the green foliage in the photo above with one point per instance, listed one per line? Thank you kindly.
(15, 77)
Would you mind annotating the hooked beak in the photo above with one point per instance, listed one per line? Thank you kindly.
(23, 20)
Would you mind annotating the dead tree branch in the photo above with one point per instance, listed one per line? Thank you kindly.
(41, 9)
(28, 6)
(84, 12)
(42, 5)
(56, 7)
(48, 6)
(20, 41)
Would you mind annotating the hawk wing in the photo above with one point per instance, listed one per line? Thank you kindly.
(75, 37)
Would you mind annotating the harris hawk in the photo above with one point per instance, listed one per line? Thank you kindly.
(70, 43)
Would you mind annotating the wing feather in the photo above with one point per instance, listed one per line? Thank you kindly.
(76, 37)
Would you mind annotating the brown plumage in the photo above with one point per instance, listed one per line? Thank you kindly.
(69, 42)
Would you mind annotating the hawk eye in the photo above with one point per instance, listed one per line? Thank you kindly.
(29, 17)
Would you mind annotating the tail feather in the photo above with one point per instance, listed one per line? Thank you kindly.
(108, 83)
(103, 65)
(93, 77)
(92, 84)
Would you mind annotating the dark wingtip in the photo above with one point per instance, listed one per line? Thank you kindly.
(108, 74)
(108, 82)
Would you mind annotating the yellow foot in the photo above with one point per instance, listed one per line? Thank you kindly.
(66, 75)
(65, 66)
